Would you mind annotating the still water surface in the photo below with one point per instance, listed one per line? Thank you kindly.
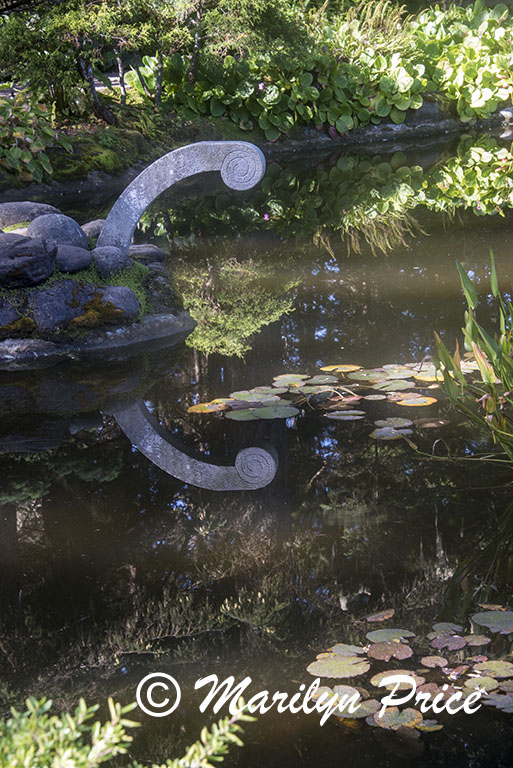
(113, 569)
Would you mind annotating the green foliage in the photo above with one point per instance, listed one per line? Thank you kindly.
(36, 738)
(26, 132)
(487, 403)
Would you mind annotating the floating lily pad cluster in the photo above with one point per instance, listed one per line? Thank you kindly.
(343, 392)
(459, 669)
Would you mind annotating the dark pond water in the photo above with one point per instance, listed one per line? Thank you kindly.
(112, 569)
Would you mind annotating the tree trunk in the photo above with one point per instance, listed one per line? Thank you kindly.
(143, 83)
(99, 109)
(160, 75)
(193, 68)
(121, 73)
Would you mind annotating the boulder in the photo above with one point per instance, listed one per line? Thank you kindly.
(147, 253)
(55, 306)
(69, 258)
(92, 229)
(124, 300)
(15, 213)
(110, 259)
(24, 261)
(59, 228)
(8, 314)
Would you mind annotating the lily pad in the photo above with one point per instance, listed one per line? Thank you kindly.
(433, 661)
(375, 397)
(381, 616)
(417, 401)
(477, 640)
(366, 708)
(292, 376)
(345, 415)
(341, 368)
(322, 380)
(339, 666)
(495, 668)
(394, 422)
(431, 423)
(394, 385)
(246, 414)
(207, 407)
(429, 377)
(389, 433)
(386, 635)
(319, 389)
(251, 396)
(267, 412)
(389, 650)
(393, 718)
(451, 642)
(428, 726)
(366, 375)
(376, 680)
(270, 390)
(447, 628)
(342, 649)
(484, 683)
(502, 701)
(495, 621)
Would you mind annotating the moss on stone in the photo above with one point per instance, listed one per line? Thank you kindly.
(21, 327)
(97, 312)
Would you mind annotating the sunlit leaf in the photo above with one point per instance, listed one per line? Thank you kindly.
(345, 415)
(341, 368)
(480, 684)
(495, 668)
(339, 666)
(381, 616)
(417, 401)
(393, 718)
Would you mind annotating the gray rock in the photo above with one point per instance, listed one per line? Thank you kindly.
(8, 313)
(24, 261)
(92, 229)
(147, 253)
(110, 259)
(59, 228)
(57, 305)
(15, 213)
(72, 259)
(158, 268)
(123, 300)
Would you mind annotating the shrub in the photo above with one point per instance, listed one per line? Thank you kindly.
(26, 132)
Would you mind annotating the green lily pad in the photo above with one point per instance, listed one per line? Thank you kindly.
(366, 375)
(251, 396)
(270, 390)
(337, 666)
(244, 414)
(319, 389)
(341, 368)
(394, 422)
(393, 718)
(506, 686)
(389, 433)
(389, 650)
(345, 415)
(376, 680)
(428, 726)
(447, 628)
(394, 385)
(495, 668)
(386, 635)
(495, 621)
(375, 397)
(502, 701)
(322, 380)
(477, 640)
(277, 411)
(342, 649)
(480, 684)
(366, 708)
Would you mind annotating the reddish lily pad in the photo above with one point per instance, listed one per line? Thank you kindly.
(389, 650)
(447, 628)
(433, 661)
(451, 642)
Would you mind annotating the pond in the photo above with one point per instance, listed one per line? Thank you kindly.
(112, 569)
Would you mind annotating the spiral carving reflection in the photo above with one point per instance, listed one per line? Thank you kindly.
(256, 466)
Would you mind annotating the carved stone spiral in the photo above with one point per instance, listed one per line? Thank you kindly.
(256, 466)
(243, 168)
